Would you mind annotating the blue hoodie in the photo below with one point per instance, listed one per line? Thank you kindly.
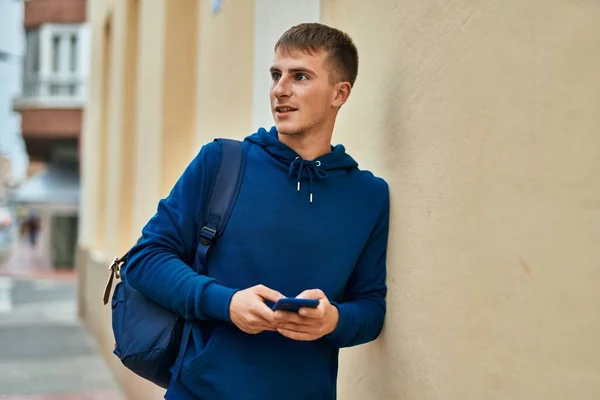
(296, 225)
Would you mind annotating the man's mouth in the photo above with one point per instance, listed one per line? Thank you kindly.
(283, 109)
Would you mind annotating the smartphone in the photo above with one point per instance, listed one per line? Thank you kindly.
(294, 304)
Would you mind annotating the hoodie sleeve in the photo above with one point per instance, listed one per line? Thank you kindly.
(158, 265)
(362, 312)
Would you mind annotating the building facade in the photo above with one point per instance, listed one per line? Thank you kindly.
(482, 116)
(54, 91)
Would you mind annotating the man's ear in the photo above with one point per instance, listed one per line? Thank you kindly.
(341, 93)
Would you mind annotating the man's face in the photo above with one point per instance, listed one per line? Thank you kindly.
(301, 91)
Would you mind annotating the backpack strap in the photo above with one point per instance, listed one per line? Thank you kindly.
(226, 187)
(226, 181)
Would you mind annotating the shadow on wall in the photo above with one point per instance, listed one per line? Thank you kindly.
(394, 130)
(388, 352)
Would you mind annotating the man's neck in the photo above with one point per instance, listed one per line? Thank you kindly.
(308, 145)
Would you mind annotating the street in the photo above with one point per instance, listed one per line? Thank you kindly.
(45, 354)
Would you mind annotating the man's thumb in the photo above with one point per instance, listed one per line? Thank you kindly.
(312, 294)
(268, 294)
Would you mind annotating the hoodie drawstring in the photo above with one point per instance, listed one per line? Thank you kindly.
(312, 168)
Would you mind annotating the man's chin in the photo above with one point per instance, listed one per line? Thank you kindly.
(286, 130)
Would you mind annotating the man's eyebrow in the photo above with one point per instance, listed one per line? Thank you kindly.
(294, 70)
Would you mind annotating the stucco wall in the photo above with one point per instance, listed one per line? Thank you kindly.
(271, 20)
(103, 175)
(133, 115)
(483, 117)
(224, 71)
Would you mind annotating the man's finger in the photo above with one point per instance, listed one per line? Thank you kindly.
(267, 327)
(312, 313)
(296, 321)
(262, 311)
(312, 294)
(301, 328)
(268, 294)
(257, 320)
(295, 335)
(289, 316)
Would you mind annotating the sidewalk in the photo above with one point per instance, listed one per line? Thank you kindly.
(27, 261)
(45, 353)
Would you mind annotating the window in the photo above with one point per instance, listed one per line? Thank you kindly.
(73, 53)
(52, 67)
(32, 62)
(34, 40)
(55, 52)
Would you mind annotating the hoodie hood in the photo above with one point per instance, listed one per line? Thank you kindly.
(269, 141)
(300, 169)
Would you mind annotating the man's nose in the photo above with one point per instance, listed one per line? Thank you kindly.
(282, 88)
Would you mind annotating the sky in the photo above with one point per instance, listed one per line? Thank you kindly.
(11, 50)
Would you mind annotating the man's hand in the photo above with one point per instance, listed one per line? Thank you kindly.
(308, 323)
(248, 311)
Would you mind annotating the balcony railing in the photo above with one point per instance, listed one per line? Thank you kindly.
(52, 92)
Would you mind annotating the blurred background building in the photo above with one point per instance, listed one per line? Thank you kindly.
(482, 116)
(53, 93)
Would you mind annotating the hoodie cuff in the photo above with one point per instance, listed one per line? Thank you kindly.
(343, 331)
(215, 301)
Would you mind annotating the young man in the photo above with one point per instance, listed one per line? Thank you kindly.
(307, 223)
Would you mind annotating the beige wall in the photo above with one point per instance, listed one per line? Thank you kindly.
(149, 118)
(150, 110)
(179, 92)
(122, 143)
(271, 19)
(224, 72)
(482, 116)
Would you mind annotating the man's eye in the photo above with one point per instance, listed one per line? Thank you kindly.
(301, 77)
(275, 76)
